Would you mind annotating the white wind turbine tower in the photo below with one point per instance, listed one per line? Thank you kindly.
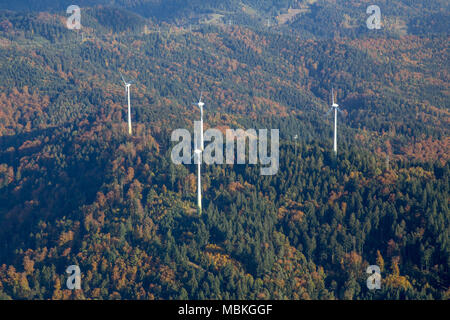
(198, 153)
(335, 107)
(127, 88)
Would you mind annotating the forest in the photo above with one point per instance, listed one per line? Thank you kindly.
(77, 189)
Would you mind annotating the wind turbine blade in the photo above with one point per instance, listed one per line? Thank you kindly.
(123, 78)
(201, 96)
(328, 113)
(332, 95)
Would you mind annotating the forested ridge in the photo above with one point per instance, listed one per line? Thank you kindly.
(75, 188)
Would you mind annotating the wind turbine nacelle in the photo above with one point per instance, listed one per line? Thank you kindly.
(200, 105)
(335, 105)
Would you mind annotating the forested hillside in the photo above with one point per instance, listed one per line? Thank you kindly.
(75, 188)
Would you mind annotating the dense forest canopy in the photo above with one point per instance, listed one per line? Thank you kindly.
(76, 189)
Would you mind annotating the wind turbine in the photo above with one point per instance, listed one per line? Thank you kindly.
(127, 88)
(335, 107)
(199, 152)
